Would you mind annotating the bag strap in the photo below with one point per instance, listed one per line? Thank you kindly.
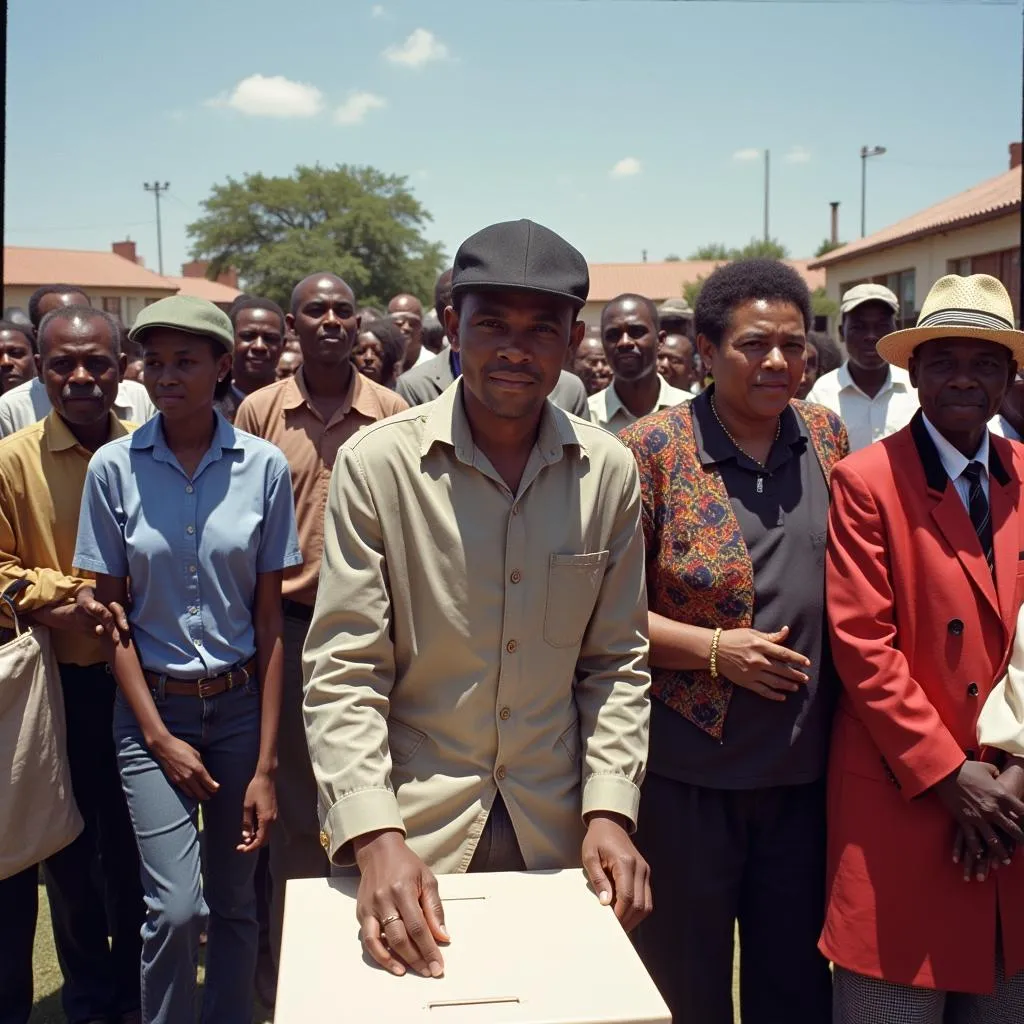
(7, 599)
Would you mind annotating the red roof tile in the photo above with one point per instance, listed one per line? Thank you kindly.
(34, 267)
(994, 198)
(203, 288)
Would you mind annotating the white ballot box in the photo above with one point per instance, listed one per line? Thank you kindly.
(527, 948)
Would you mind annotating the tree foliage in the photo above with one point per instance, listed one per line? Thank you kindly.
(691, 291)
(826, 247)
(822, 305)
(356, 222)
(712, 251)
(756, 248)
(673, 258)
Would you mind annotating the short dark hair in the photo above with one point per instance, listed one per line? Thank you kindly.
(371, 313)
(830, 356)
(641, 300)
(742, 281)
(50, 289)
(13, 325)
(83, 313)
(443, 294)
(434, 333)
(255, 302)
(392, 342)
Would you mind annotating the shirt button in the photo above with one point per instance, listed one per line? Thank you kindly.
(192, 569)
(193, 610)
(972, 690)
(512, 646)
(199, 642)
(190, 529)
(515, 510)
(505, 713)
(500, 773)
(516, 576)
(189, 488)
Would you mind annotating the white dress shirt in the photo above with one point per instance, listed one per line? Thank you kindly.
(867, 419)
(607, 409)
(954, 462)
(1001, 427)
(28, 403)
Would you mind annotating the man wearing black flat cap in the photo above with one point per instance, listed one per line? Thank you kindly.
(476, 681)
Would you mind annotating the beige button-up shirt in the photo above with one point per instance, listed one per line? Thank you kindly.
(467, 640)
(608, 411)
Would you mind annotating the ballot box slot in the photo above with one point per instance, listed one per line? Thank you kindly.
(464, 899)
(493, 1001)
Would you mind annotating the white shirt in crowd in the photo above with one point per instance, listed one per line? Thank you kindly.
(954, 462)
(607, 409)
(28, 403)
(1001, 427)
(867, 419)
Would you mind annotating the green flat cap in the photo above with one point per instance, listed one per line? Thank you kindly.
(189, 314)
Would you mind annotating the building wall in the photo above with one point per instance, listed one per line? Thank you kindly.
(929, 257)
(126, 303)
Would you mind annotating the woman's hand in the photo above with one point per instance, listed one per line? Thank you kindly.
(258, 811)
(757, 661)
(184, 767)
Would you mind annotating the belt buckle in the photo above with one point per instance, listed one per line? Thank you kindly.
(205, 687)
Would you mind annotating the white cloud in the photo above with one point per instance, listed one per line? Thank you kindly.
(798, 155)
(357, 106)
(626, 167)
(422, 47)
(274, 96)
(747, 154)
(377, 11)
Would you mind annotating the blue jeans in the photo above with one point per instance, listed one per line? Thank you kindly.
(225, 730)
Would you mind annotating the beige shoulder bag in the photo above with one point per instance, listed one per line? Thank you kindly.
(38, 815)
(1001, 723)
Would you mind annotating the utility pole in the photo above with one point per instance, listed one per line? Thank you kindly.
(767, 192)
(156, 188)
(865, 152)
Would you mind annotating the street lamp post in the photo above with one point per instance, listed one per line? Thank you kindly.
(865, 152)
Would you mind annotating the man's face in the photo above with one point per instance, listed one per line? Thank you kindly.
(630, 336)
(288, 364)
(961, 383)
(368, 355)
(512, 345)
(675, 361)
(17, 361)
(325, 321)
(259, 339)
(591, 366)
(80, 370)
(810, 372)
(57, 300)
(406, 312)
(863, 328)
(760, 362)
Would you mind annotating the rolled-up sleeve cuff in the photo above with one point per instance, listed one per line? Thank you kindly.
(355, 814)
(614, 794)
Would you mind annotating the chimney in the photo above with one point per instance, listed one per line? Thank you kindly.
(834, 232)
(1015, 155)
(126, 250)
(197, 268)
(228, 277)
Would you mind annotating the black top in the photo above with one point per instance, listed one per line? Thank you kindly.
(784, 526)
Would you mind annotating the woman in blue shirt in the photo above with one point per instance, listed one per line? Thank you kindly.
(200, 518)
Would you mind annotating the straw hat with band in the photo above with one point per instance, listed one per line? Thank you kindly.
(959, 307)
(189, 314)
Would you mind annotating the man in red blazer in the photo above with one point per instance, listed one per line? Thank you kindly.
(925, 576)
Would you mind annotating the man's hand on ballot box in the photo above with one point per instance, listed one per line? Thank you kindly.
(616, 870)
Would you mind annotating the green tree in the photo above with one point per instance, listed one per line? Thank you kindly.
(357, 222)
(826, 247)
(673, 258)
(712, 251)
(691, 291)
(822, 305)
(759, 248)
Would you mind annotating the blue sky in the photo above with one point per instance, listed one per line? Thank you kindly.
(498, 109)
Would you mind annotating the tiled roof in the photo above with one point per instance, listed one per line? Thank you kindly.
(661, 281)
(994, 198)
(34, 267)
(203, 288)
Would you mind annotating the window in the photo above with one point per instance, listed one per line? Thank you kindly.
(1004, 265)
(962, 267)
(903, 284)
(112, 305)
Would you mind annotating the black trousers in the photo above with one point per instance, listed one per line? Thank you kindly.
(718, 857)
(93, 884)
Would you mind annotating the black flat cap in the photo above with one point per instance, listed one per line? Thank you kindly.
(522, 255)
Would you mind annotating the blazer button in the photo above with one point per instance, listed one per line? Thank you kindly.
(972, 690)
(956, 627)
(500, 773)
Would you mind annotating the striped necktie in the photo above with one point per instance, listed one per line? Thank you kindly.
(980, 512)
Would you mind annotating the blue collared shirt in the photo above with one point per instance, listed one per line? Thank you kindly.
(193, 547)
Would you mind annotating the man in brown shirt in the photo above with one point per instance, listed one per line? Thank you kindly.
(309, 417)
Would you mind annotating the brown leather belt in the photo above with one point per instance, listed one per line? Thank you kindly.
(211, 686)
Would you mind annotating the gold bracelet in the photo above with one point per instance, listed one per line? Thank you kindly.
(713, 659)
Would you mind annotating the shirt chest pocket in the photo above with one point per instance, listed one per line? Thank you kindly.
(574, 582)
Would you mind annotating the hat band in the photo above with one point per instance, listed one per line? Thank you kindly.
(965, 318)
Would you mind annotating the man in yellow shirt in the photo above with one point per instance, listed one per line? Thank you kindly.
(42, 475)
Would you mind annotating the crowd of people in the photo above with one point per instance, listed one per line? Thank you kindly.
(697, 599)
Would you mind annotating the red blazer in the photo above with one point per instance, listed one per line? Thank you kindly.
(920, 635)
